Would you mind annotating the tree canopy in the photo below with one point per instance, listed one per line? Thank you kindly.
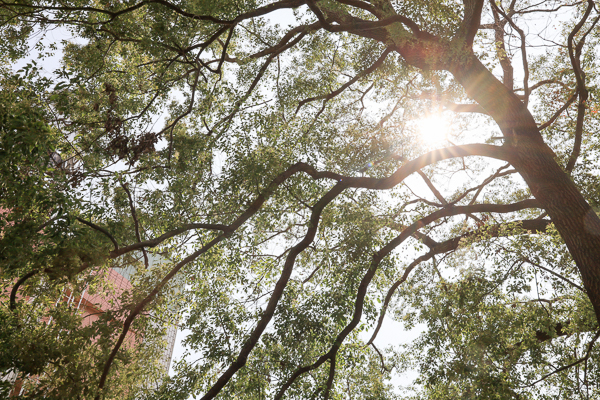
(311, 169)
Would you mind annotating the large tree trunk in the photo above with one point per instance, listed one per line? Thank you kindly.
(575, 220)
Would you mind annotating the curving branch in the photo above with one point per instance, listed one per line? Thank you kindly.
(470, 23)
(363, 5)
(158, 240)
(269, 311)
(383, 367)
(139, 307)
(432, 157)
(505, 62)
(99, 229)
(286, 38)
(377, 258)
(345, 22)
(558, 113)
(223, 53)
(534, 225)
(545, 82)
(115, 14)
(587, 355)
(15, 289)
(523, 46)
(431, 187)
(395, 286)
(570, 282)
(575, 57)
(136, 223)
(346, 85)
(331, 376)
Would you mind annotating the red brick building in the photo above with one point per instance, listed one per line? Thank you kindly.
(93, 305)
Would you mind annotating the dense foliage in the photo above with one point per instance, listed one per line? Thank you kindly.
(311, 169)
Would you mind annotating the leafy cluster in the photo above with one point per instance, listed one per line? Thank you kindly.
(274, 154)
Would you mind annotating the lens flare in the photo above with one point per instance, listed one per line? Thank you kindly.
(434, 130)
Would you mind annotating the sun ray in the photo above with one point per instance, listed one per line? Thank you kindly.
(434, 129)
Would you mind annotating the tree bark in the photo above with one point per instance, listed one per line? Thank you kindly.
(577, 223)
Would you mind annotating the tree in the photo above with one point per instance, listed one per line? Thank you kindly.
(274, 163)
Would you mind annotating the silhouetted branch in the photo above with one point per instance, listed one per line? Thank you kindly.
(99, 229)
(587, 355)
(535, 225)
(358, 76)
(15, 289)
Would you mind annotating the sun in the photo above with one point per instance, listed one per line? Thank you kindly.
(434, 129)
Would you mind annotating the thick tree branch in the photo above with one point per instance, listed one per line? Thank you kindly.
(329, 384)
(501, 53)
(139, 307)
(269, 311)
(363, 5)
(369, 29)
(543, 82)
(523, 50)
(431, 187)
(483, 150)
(537, 226)
(470, 23)
(377, 258)
(575, 56)
(114, 14)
